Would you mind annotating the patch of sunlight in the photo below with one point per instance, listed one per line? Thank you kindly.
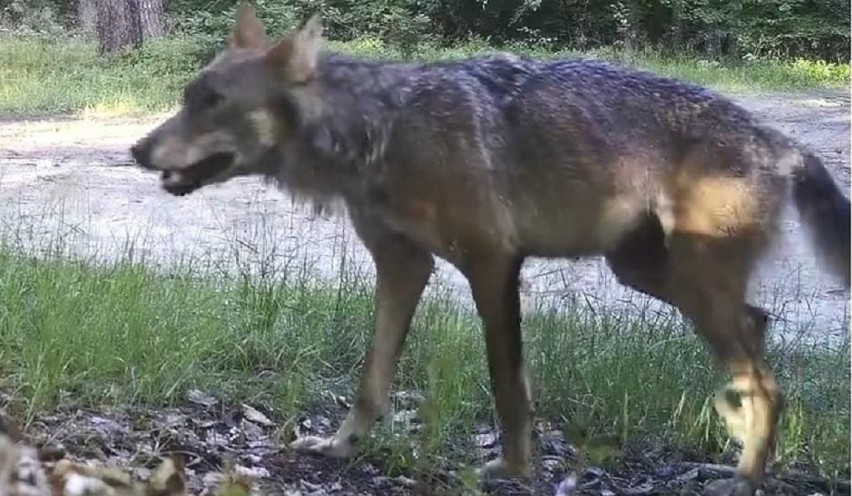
(822, 102)
(123, 105)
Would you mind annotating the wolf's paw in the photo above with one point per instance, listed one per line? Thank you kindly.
(500, 469)
(730, 487)
(726, 401)
(328, 446)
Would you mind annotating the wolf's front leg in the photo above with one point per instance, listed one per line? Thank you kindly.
(402, 272)
(494, 283)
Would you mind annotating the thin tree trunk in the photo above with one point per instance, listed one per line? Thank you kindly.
(677, 25)
(713, 43)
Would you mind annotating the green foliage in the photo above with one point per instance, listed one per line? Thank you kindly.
(395, 22)
(33, 16)
(810, 29)
(755, 28)
(40, 74)
(777, 27)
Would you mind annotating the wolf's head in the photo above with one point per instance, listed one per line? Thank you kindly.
(231, 116)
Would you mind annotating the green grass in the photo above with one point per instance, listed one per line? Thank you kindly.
(101, 335)
(40, 75)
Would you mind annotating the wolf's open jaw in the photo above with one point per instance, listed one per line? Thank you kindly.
(185, 181)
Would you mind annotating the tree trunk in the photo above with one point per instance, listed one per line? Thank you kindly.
(677, 25)
(731, 46)
(118, 25)
(125, 23)
(87, 16)
(713, 43)
(151, 18)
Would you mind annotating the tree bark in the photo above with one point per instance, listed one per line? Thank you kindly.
(151, 18)
(677, 25)
(87, 16)
(118, 25)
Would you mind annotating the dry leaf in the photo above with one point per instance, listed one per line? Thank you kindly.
(24, 473)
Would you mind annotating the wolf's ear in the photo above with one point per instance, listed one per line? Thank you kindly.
(248, 31)
(297, 53)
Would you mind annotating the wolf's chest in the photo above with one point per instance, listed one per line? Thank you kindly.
(447, 220)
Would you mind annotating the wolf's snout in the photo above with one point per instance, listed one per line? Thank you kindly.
(141, 153)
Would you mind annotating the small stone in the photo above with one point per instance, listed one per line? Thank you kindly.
(380, 481)
(210, 479)
(313, 489)
(342, 402)
(406, 417)
(199, 398)
(299, 430)
(409, 399)
(487, 440)
(324, 422)
(551, 463)
(255, 416)
(404, 481)
(688, 476)
(252, 472)
(251, 430)
(568, 486)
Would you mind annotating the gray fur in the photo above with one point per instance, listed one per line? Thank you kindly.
(490, 160)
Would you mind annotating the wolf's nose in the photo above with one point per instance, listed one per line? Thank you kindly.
(139, 152)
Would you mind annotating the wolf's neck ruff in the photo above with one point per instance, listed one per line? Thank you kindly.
(342, 121)
(354, 102)
(346, 117)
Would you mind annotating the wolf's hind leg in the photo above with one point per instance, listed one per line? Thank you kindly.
(710, 275)
(640, 261)
(402, 273)
(705, 277)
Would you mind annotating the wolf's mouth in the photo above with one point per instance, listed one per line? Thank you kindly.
(185, 181)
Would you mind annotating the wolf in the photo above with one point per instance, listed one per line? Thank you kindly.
(489, 160)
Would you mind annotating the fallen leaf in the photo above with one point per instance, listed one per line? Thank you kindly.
(255, 416)
(199, 398)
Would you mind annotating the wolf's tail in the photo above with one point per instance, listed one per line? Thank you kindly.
(825, 212)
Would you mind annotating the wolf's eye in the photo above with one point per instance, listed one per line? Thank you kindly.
(201, 97)
(210, 99)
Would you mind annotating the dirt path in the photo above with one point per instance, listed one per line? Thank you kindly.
(69, 179)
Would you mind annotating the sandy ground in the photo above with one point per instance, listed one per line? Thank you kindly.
(69, 179)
